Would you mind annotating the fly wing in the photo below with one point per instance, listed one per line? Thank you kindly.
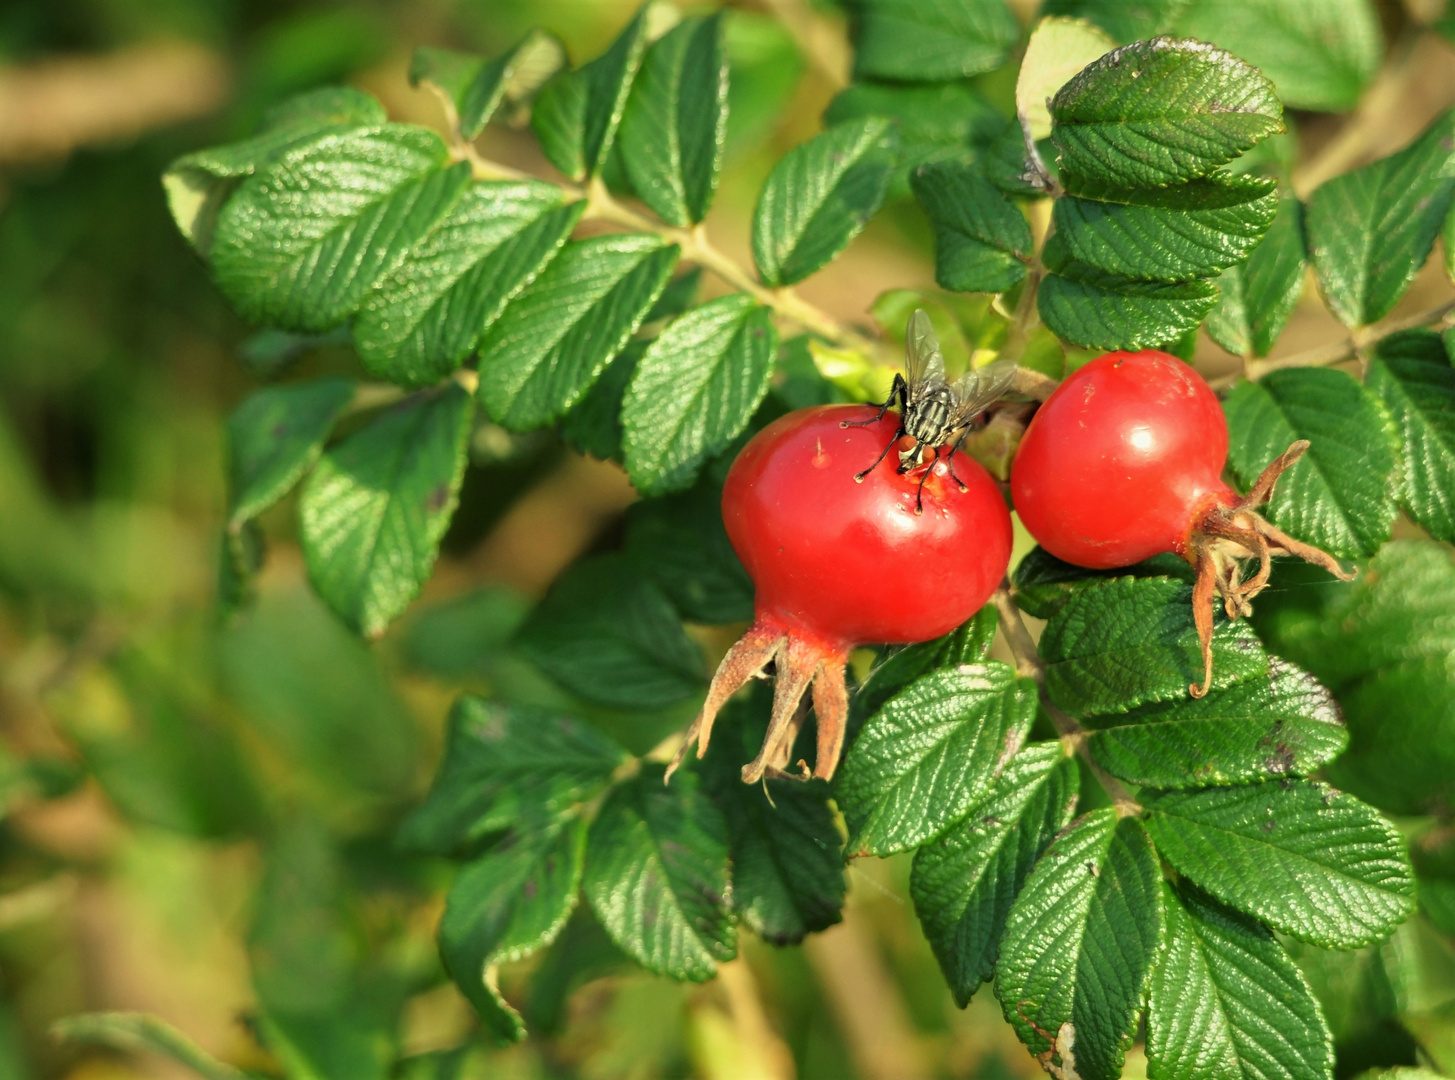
(976, 389)
(923, 361)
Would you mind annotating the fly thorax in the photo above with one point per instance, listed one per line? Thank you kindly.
(928, 419)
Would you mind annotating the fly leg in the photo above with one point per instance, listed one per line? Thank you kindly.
(859, 476)
(898, 392)
(950, 464)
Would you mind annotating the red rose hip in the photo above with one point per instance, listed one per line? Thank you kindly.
(837, 562)
(1124, 461)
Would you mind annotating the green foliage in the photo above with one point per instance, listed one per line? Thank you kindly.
(1412, 375)
(274, 437)
(1227, 1000)
(1320, 56)
(1096, 893)
(1339, 496)
(1383, 644)
(426, 317)
(508, 768)
(1370, 230)
(374, 510)
(1281, 724)
(820, 196)
(981, 239)
(506, 904)
(559, 313)
(783, 840)
(681, 94)
(694, 389)
(1125, 642)
(657, 875)
(304, 238)
(965, 880)
(1257, 296)
(930, 40)
(930, 754)
(578, 112)
(1161, 112)
(1311, 861)
(555, 338)
(608, 634)
(476, 88)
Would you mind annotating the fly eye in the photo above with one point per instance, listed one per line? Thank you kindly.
(906, 443)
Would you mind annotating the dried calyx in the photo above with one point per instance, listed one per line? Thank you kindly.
(1231, 535)
(800, 665)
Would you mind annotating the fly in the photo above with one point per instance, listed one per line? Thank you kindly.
(934, 412)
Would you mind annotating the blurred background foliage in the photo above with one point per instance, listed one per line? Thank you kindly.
(198, 813)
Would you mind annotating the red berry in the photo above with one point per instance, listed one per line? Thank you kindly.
(1124, 461)
(837, 563)
(1121, 461)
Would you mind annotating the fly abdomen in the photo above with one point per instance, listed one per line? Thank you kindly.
(927, 419)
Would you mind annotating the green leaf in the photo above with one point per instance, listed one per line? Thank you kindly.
(1043, 583)
(508, 767)
(1161, 112)
(657, 875)
(302, 241)
(593, 426)
(820, 196)
(1126, 642)
(554, 339)
(1321, 55)
(964, 882)
(274, 436)
(1259, 296)
(577, 113)
(1227, 1002)
(936, 121)
(343, 1042)
(981, 240)
(374, 510)
(679, 542)
(423, 320)
(930, 755)
(198, 184)
(1091, 307)
(968, 643)
(1193, 230)
(1308, 860)
(679, 295)
(930, 40)
(134, 1031)
(1080, 944)
(1401, 608)
(1123, 21)
(1371, 230)
(694, 390)
(1058, 48)
(675, 123)
(1386, 643)
(1286, 723)
(1411, 373)
(786, 850)
(504, 906)
(608, 634)
(1339, 495)
(476, 88)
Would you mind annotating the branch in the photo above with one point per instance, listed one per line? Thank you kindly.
(1028, 664)
(1337, 352)
(601, 205)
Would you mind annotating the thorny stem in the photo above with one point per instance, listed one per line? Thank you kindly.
(1339, 351)
(1028, 663)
